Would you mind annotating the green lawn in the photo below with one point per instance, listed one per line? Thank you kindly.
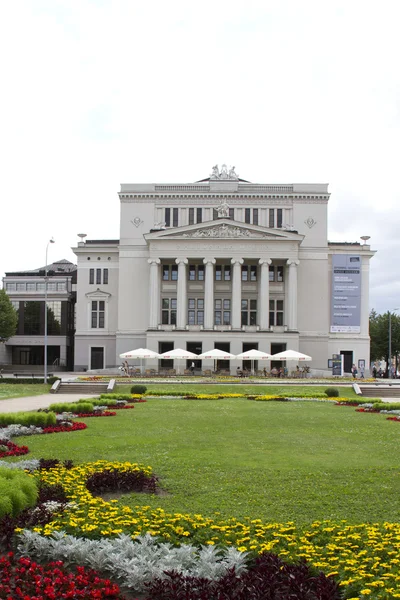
(20, 390)
(269, 460)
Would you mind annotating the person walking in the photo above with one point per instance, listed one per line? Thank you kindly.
(354, 371)
(362, 370)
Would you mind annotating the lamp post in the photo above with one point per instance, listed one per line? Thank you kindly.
(45, 312)
(390, 343)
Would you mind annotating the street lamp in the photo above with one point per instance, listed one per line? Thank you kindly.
(45, 312)
(390, 342)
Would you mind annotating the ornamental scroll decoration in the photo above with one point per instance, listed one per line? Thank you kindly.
(310, 222)
(224, 231)
(137, 221)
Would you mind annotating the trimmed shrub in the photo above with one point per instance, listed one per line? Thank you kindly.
(39, 419)
(138, 389)
(74, 407)
(17, 491)
(28, 380)
(332, 392)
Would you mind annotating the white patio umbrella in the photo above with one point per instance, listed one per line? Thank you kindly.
(290, 355)
(178, 354)
(253, 355)
(216, 354)
(141, 353)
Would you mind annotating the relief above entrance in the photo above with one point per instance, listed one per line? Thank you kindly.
(224, 231)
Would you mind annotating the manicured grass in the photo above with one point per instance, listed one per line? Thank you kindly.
(20, 390)
(243, 388)
(274, 461)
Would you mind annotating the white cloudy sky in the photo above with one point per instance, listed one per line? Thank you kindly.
(99, 92)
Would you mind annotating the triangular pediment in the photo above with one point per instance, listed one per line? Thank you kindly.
(223, 229)
(99, 294)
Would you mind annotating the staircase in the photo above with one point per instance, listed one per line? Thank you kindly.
(381, 391)
(80, 387)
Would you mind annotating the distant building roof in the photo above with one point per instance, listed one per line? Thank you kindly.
(59, 267)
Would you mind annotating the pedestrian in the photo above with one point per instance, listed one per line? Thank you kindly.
(362, 370)
(354, 371)
(192, 368)
(374, 372)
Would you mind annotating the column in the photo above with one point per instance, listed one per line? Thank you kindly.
(263, 293)
(154, 293)
(292, 300)
(237, 292)
(181, 316)
(209, 293)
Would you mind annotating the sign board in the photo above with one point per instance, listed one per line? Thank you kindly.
(337, 364)
(346, 294)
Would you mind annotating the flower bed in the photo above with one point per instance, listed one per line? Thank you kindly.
(25, 579)
(8, 448)
(61, 428)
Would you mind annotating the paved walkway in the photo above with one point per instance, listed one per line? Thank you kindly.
(35, 402)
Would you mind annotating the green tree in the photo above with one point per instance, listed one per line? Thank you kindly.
(8, 317)
(379, 333)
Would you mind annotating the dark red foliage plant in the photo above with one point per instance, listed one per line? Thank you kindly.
(25, 579)
(119, 481)
(268, 579)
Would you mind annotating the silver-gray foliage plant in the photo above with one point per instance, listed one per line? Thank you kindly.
(132, 562)
(26, 465)
(15, 430)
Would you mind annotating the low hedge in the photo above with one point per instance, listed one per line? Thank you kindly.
(39, 419)
(50, 380)
(386, 406)
(111, 399)
(17, 491)
(80, 407)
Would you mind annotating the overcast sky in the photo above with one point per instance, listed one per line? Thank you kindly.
(100, 92)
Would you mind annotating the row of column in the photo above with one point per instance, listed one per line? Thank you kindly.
(263, 293)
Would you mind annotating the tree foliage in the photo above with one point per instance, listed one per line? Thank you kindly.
(379, 333)
(8, 317)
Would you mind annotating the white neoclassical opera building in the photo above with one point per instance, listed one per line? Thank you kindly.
(222, 263)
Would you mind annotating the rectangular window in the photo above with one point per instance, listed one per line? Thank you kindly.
(279, 218)
(200, 272)
(271, 217)
(61, 287)
(98, 314)
(40, 287)
(271, 273)
(218, 273)
(175, 217)
(174, 272)
(168, 311)
(21, 287)
(51, 286)
(245, 273)
(255, 216)
(249, 312)
(199, 215)
(54, 317)
(232, 213)
(279, 273)
(215, 214)
(11, 287)
(276, 312)
(31, 287)
(32, 318)
(191, 216)
(192, 272)
(105, 276)
(227, 273)
(167, 217)
(195, 311)
(91, 276)
(253, 272)
(98, 276)
(165, 272)
(247, 215)
(222, 311)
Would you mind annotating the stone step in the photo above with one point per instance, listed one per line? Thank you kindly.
(82, 388)
(380, 391)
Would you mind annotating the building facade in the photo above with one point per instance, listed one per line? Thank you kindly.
(222, 263)
(26, 290)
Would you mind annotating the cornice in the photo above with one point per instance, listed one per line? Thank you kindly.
(211, 198)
